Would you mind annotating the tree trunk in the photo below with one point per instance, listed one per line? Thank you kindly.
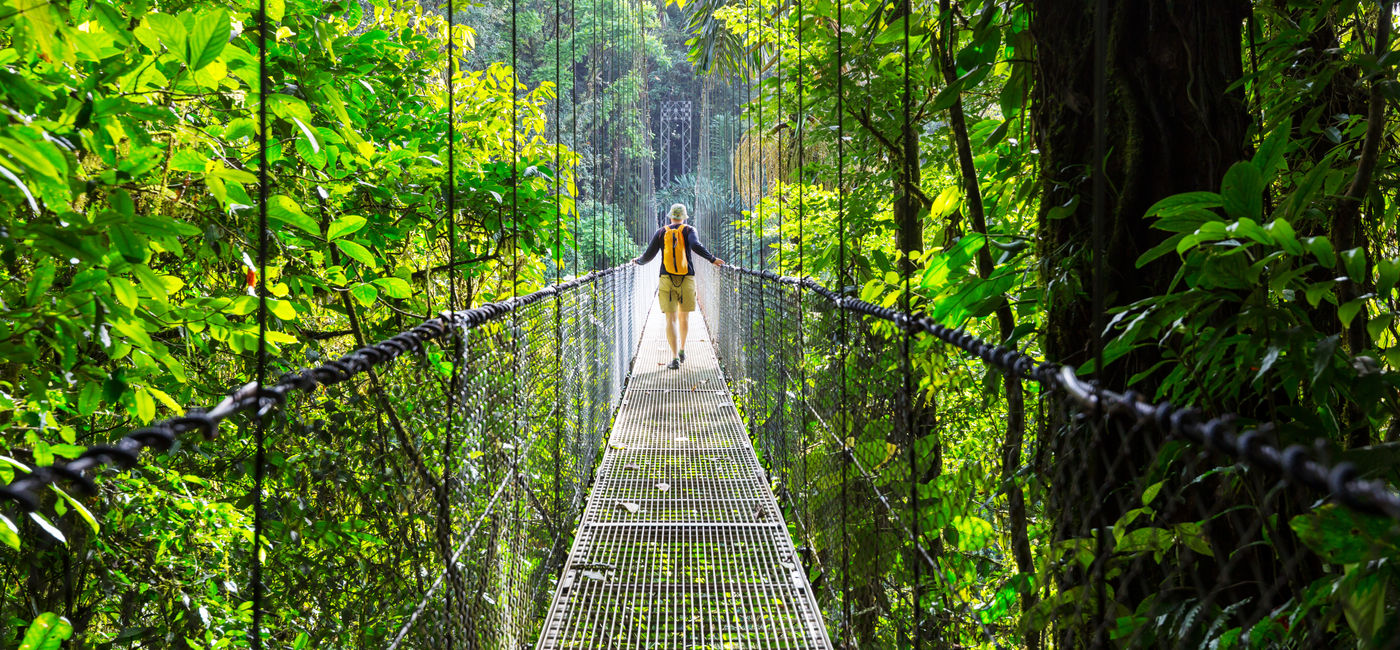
(1172, 124)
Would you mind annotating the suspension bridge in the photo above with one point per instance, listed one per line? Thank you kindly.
(699, 526)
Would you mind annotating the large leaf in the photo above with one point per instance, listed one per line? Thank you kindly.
(9, 532)
(171, 31)
(208, 34)
(1243, 191)
(283, 209)
(345, 225)
(394, 287)
(1342, 536)
(47, 631)
(357, 252)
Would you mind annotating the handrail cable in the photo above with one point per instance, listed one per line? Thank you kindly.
(1341, 480)
(161, 435)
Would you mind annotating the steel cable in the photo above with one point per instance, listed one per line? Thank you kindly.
(1293, 463)
(161, 435)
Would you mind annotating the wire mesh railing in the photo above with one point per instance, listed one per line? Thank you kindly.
(480, 429)
(922, 525)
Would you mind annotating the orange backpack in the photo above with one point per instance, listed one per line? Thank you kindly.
(673, 256)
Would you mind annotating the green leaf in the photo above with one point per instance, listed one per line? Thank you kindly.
(89, 398)
(1322, 249)
(1342, 536)
(394, 287)
(345, 225)
(1270, 358)
(37, 16)
(48, 527)
(1248, 228)
(78, 507)
(145, 405)
(1317, 291)
(151, 282)
(1388, 271)
(1192, 534)
(33, 204)
(1379, 324)
(40, 283)
(208, 34)
(131, 246)
(243, 305)
(1150, 493)
(1184, 202)
(973, 533)
(1269, 159)
(1243, 191)
(9, 532)
(1322, 356)
(288, 107)
(1348, 311)
(894, 33)
(356, 252)
(282, 309)
(124, 291)
(171, 32)
(285, 210)
(188, 160)
(276, 9)
(1153, 540)
(305, 130)
(1283, 233)
(1354, 260)
(949, 95)
(1295, 206)
(47, 631)
(365, 294)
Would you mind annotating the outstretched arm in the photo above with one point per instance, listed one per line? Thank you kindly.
(652, 249)
(693, 241)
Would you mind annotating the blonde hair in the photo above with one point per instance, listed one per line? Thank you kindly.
(678, 211)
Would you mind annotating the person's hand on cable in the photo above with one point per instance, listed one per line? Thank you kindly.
(718, 262)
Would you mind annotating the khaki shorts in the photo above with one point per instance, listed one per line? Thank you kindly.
(675, 296)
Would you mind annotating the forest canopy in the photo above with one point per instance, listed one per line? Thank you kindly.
(1194, 200)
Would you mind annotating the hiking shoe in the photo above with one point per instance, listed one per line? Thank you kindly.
(675, 364)
(681, 356)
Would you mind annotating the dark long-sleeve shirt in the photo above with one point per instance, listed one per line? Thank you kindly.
(692, 243)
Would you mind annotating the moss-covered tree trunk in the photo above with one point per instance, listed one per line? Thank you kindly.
(1172, 124)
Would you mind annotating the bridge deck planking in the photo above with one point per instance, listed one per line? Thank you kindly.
(682, 544)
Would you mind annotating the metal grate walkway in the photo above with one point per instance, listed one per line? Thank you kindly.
(682, 544)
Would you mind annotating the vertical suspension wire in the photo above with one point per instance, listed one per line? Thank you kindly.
(1099, 181)
(558, 263)
(516, 428)
(260, 453)
(573, 118)
(846, 451)
(595, 82)
(760, 215)
(781, 198)
(750, 138)
(801, 253)
(1099, 234)
(906, 361)
(576, 364)
(601, 113)
(450, 186)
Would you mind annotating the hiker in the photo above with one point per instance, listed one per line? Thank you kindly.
(677, 293)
